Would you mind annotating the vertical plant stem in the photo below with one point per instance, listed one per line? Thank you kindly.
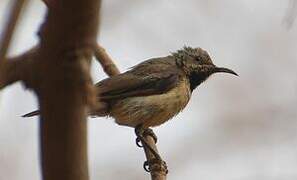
(65, 90)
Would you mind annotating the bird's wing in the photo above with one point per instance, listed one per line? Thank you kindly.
(137, 84)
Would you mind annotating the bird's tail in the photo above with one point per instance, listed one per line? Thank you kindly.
(31, 114)
(99, 110)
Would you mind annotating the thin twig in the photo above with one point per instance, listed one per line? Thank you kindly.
(19, 68)
(106, 62)
(6, 36)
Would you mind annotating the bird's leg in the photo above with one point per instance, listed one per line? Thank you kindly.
(141, 133)
(150, 132)
(144, 132)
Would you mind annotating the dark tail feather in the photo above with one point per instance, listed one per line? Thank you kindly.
(99, 110)
(33, 113)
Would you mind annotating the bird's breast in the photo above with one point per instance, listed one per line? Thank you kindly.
(152, 110)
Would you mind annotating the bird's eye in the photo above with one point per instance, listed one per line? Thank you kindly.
(199, 59)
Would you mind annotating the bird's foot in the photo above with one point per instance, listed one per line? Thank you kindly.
(140, 131)
(154, 165)
(150, 132)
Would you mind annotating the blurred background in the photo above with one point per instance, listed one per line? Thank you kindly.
(234, 128)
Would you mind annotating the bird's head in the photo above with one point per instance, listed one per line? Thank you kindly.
(198, 65)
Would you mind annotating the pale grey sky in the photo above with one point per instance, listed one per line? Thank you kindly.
(233, 128)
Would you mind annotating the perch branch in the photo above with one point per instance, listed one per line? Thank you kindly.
(157, 169)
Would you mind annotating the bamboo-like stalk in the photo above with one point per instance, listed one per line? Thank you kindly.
(65, 89)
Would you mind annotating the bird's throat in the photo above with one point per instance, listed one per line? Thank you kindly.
(196, 80)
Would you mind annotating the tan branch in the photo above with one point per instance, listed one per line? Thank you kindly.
(19, 68)
(158, 170)
(106, 62)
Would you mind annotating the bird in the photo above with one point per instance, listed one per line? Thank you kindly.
(154, 91)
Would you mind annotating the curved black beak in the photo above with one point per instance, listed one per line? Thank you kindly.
(224, 70)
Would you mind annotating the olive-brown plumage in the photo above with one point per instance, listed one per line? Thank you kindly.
(155, 90)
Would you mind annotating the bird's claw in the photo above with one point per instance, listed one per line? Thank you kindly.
(146, 166)
(155, 165)
(138, 142)
(141, 132)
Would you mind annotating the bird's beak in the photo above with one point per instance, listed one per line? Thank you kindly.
(224, 70)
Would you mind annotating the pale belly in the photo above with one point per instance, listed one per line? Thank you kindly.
(151, 110)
